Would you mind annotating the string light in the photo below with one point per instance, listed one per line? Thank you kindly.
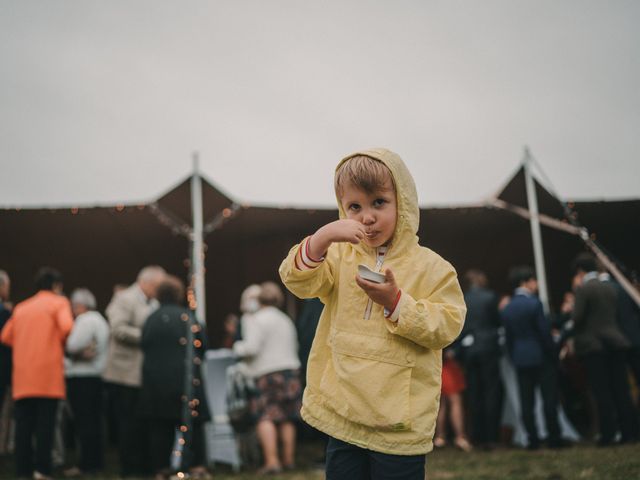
(168, 220)
(221, 218)
(191, 296)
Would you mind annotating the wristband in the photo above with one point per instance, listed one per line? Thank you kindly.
(388, 313)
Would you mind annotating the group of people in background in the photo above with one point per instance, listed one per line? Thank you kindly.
(57, 348)
(595, 336)
(54, 348)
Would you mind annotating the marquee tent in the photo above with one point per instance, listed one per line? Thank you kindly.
(99, 247)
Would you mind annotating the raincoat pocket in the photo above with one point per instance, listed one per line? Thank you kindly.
(368, 381)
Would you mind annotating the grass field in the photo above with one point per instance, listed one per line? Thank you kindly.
(579, 462)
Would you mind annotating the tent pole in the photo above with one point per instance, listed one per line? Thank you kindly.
(197, 251)
(536, 236)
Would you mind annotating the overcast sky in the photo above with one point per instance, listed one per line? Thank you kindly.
(104, 101)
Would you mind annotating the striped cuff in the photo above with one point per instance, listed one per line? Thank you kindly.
(304, 261)
(393, 314)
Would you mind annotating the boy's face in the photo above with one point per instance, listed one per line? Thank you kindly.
(376, 211)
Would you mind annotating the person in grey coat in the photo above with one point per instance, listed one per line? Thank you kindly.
(601, 347)
(127, 314)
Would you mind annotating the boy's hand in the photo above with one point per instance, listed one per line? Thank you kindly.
(339, 231)
(384, 294)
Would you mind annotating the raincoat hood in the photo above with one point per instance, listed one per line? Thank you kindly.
(408, 219)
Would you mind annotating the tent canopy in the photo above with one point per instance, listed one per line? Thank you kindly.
(100, 247)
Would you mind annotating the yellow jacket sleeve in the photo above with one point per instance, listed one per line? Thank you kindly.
(317, 282)
(433, 322)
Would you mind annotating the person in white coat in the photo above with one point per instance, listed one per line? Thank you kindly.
(86, 350)
(270, 350)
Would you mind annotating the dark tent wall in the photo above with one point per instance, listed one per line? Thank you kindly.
(494, 240)
(252, 246)
(101, 247)
(616, 227)
(96, 247)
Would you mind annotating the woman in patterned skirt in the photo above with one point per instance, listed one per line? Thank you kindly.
(270, 349)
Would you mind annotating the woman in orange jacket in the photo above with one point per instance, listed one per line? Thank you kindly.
(36, 332)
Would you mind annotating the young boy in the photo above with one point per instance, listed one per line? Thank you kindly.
(374, 371)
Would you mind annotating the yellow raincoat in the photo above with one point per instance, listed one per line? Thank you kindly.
(370, 382)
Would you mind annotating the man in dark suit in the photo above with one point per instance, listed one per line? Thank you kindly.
(532, 352)
(601, 347)
(480, 352)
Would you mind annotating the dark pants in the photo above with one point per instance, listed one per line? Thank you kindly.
(484, 390)
(348, 462)
(162, 433)
(545, 377)
(3, 391)
(133, 435)
(34, 416)
(607, 374)
(85, 398)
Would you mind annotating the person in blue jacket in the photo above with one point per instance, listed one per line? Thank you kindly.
(532, 352)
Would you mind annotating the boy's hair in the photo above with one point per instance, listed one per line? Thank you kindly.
(365, 173)
(520, 275)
